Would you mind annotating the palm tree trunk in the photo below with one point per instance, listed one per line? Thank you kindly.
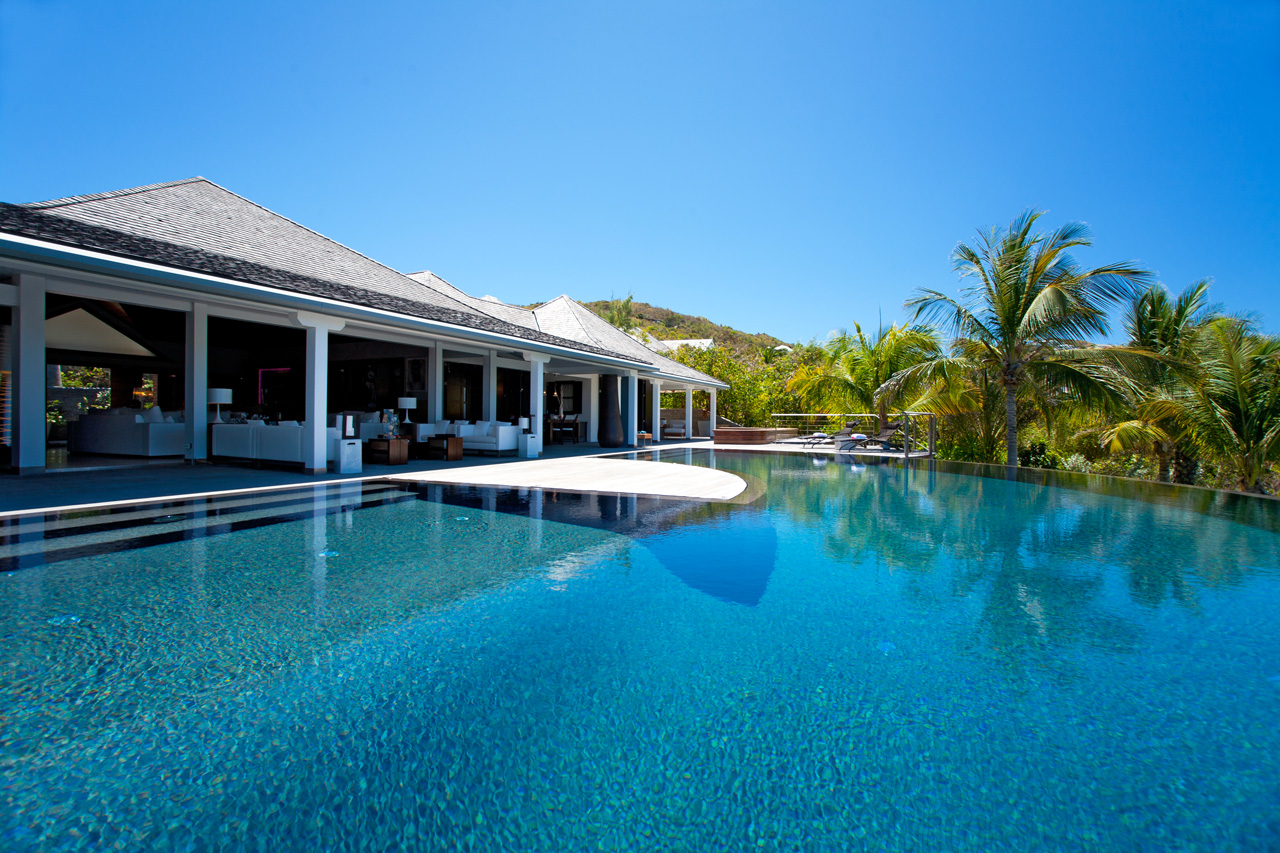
(1011, 425)
(1162, 462)
(883, 413)
(1185, 467)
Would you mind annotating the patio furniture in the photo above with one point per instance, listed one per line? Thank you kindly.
(564, 428)
(643, 438)
(491, 436)
(387, 451)
(446, 447)
(884, 438)
(282, 442)
(129, 432)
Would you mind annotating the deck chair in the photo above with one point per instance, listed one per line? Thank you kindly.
(846, 433)
(884, 438)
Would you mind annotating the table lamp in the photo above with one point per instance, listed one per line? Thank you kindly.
(407, 403)
(219, 397)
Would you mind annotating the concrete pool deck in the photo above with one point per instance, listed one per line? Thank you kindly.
(594, 474)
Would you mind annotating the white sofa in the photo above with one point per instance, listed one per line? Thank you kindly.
(129, 432)
(273, 443)
(492, 436)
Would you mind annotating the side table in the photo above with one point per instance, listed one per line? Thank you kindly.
(388, 451)
(446, 447)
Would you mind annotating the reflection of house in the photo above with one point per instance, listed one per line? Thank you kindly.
(183, 287)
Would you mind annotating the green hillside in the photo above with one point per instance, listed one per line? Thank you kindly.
(667, 325)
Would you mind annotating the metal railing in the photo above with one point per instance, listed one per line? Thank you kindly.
(918, 430)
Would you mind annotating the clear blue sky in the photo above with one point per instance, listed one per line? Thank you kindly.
(783, 167)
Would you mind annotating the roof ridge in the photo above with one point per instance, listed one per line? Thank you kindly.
(479, 300)
(80, 199)
(578, 310)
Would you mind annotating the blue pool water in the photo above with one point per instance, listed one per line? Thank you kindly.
(849, 658)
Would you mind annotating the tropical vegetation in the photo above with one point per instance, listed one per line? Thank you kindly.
(1025, 377)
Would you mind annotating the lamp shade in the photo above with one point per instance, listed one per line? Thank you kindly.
(407, 403)
(524, 423)
(221, 396)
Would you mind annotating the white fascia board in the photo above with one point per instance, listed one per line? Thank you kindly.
(13, 245)
(684, 380)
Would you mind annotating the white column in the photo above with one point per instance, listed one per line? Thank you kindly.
(537, 363)
(713, 412)
(688, 412)
(315, 449)
(435, 384)
(29, 378)
(593, 408)
(489, 391)
(196, 415)
(631, 412)
(657, 411)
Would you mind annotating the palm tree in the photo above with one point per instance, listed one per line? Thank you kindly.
(1167, 328)
(1233, 410)
(619, 314)
(1027, 313)
(853, 368)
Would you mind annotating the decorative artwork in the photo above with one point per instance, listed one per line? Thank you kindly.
(415, 374)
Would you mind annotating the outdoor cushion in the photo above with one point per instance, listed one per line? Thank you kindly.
(152, 415)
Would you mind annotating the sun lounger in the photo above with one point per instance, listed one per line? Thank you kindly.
(885, 439)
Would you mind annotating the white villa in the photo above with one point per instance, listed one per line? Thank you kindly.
(209, 306)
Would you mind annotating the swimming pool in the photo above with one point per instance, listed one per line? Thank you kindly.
(851, 657)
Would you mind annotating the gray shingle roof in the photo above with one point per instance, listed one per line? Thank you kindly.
(199, 226)
(199, 214)
(102, 222)
(566, 318)
(501, 310)
(15, 219)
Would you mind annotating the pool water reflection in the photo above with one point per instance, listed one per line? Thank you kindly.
(879, 658)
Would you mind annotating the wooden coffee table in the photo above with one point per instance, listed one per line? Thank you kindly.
(446, 447)
(388, 451)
